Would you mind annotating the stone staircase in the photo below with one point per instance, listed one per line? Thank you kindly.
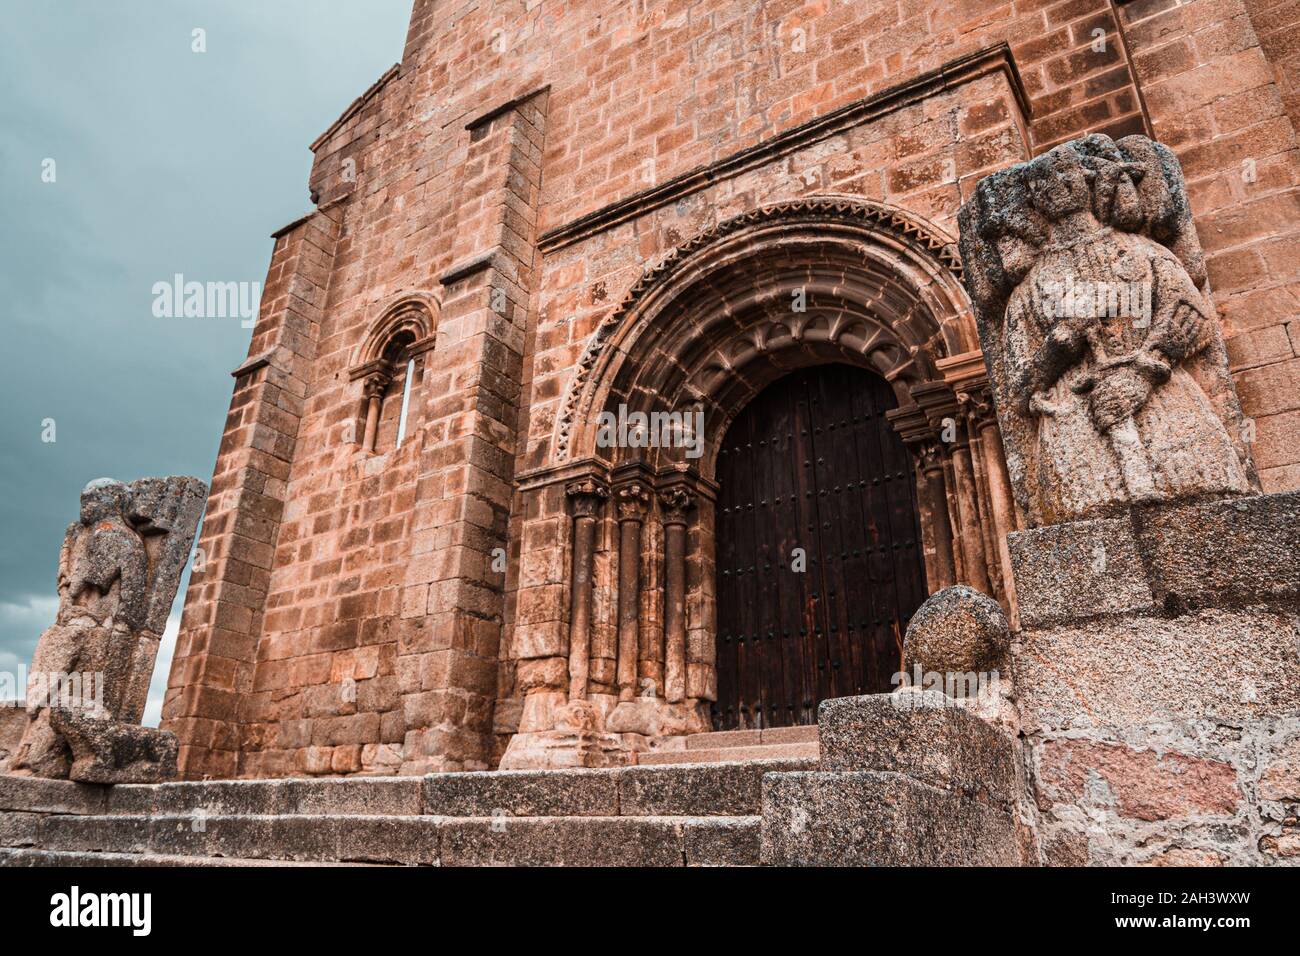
(776, 743)
(884, 780)
(670, 815)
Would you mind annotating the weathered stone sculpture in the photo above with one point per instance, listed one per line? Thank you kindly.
(1103, 349)
(1156, 588)
(118, 573)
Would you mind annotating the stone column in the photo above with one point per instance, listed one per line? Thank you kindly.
(975, 409)
(586, 498)
(1001, 506)
(676, 503)
(632, 499)
(954, 513)
(373, 389)
(938, 522)
(967, 495)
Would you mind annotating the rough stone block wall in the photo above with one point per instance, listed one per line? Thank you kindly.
(213, 671)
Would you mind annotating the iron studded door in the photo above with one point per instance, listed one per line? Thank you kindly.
(818, 556)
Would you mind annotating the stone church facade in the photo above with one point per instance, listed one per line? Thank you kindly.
(425, 546)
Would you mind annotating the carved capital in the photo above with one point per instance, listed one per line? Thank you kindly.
(931, 454)
(977, 403)
(586, 497)
(375, 384)
(632, 500)
(676, 502)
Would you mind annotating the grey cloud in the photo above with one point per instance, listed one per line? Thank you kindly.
(168, 162)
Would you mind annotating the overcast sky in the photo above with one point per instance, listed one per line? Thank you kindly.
(165, 161)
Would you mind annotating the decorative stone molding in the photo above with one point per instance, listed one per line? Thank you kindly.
(632, 500)
(904, 231)
(977, 405)
(375, 384)
(586, 497)
(676, 502)
(413, 316)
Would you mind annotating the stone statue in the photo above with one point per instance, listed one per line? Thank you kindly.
(118, 572)
(1103, 348)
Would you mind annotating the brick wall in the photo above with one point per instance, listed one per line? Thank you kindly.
(352, 617)
(213, 671)
(1277, 24)
(1212, 95)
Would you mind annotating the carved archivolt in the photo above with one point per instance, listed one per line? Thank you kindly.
(412, 319)
(876, 284)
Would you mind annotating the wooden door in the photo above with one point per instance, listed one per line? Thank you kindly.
(819, 563)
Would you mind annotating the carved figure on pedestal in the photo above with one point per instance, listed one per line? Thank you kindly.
(1104, 352)
(118, 572)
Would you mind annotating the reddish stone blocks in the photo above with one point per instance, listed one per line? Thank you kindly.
(372, 612)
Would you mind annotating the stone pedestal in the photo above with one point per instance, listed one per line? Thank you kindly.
(1157, 675)
(605, 732)
(906, 779)
(112, 751)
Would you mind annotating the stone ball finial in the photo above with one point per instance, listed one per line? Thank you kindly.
(957, 630)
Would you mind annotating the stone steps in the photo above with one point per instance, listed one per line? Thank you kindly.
(63, 858)
(751, 738)
(887, 780)
(716, 789)
(732, 746)
(413, 840)
(759, 753)
(694, 815)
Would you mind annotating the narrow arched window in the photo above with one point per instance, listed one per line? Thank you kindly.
(392, 396)
(389, 367)
(406, 401)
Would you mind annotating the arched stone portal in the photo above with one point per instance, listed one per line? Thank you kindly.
(784, 288)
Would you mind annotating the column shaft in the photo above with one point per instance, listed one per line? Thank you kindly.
(586, 498)
(940, 521)
(676, 502)
(972, 537)
(631, 512)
